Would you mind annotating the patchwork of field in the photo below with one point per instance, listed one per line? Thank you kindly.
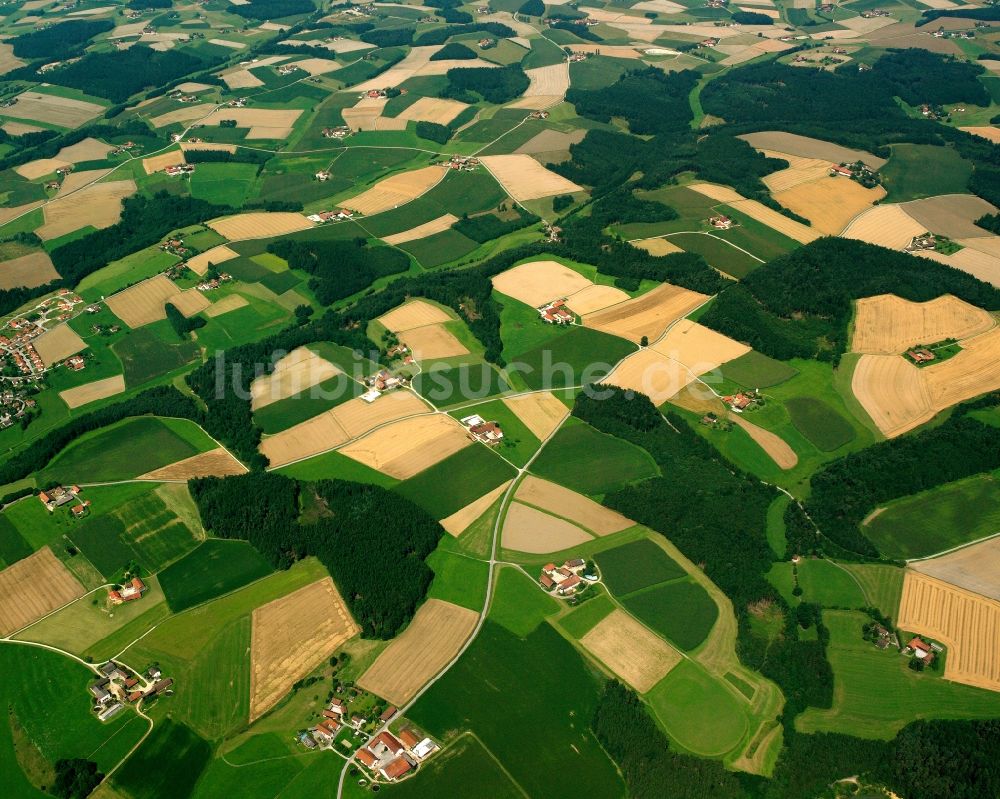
(951, 215)
(757, 211)
(91, 392)
(656, 246)
(774, 445)
(58, 343)
(434, 636)
(978, 257)
(230, 302)
(462, 518)
(541, 412)
(217, 255)
(214, 463)
(407, 447)
(34, 587)
(632, 651)
(571, 505)
(887, 324)
(538, 282)
(61, 111)
(886, 225)
(395, 191)
(967, 623)
(547, 88)
(439, 225)
(527, 529)
(146, 302)
(646, 316)
(259, 225)
(186, 113)
(525, 179)
(420, 326)
(299, 370)
(98, 205)
(264, 123)
(806, 147)
(973, 568)
(830, 203)
(291, 636)
(433, 109)
(157, 163)
(77, 180)
(550, 141)
(31, 270)
(899, 396)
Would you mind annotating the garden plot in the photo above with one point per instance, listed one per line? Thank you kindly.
(526, 529)
(98, 205)
(31, 270)
(291, 636)
(158, 163)
(647, 316)
(407, 447)
(429, 643)
(432, 109)
(950, 215)
(967, 623)
(214, 463)
(457, 523)
(525, 179)
(630, 650)
(299, 370)
(887, 324)
(145, 302)
(541, 412)
(264, 123)
(58, 343)
(656, 246)
(571, 505)
(217, 255)
(49, 108)
(807, 147)
(886, 225)
(972, 259)
(395, 191)
(33, 588)
(538, 282)
(91, 392)
(259, 225)
(185, 113)
(830, 203)
(439, 225)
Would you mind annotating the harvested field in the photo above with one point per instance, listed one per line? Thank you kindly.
(713, 191)
(291, 636)
(158, 163)
(316, 66)
(186, 113)
(656, 246)
(571, 505)
(526, 179)
(415, 313)
(98, 205)
(292, 375)
(407, 447)
(192, 88)
(241, 79)
(31, 270)
(967, 623)
(595, 298)
(612, 16)
(806, 147)
(395, 191)
(21, 600)
(438, 225)
(58, 343)
(550, 141)
(650, 373)
(8, 61)
(887, 324)
(77, 180)
(61, 111)
(7, 214)
(869, 24)
(526, 529)
(950, 215)
(427, 645)
(541, 412)
(227, 43)
(264, 123)
(886, 225)
(259, 225)
(988, 132)
(19, 128)
(973, 259)
(829, 203)
(648, 315)
(773, 444)
(416, 59)
(217, 255)
(144, 302)
(461, 519)
(538, 282)
(432, 109)
(632, 651)
(800, 170)
(973, 568)
(365, 113)
(214, 463)
(33, 170)
(551, 81)
(91, 392)
(431, 342)
(358, 417)
(230, 302)
(779, 222)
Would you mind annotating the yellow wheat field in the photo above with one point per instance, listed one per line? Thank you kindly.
(31, 270)
(264, 123)
(185, 113)
(457, 523)
(887, 324)
(538, 282)
(886, 225)
(439, 225)
(145, 302)
(58, 343)
(775, 221)
(525, 179)
(648, 315)
(595, 298)
(259, 225)
(415, 313)
(541, 412)
(93, 391)
(656, 246)
(829, 203)
(395, 191)
(407, 447)
(774, 445)
(157, 163)
(527, 529)
(980, 257)
(216, 462)
(33, 588)
(98, 205)
(800, 170)
(632, 651)
(433, 109)
(215, 256)
(61, 111)
(431, 342)
(292, 375)
(554, 498)
(230, 302)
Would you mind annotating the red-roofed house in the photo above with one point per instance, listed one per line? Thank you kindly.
(920, 648)
(396, 769)
(366, 758)
(408, 737)
(569, 585)
(385, 744)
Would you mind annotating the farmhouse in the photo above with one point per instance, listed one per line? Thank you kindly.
(463, 162)
(720, 222)
(925, 241)
(339, 132)
(920, 355)
(921, 651)
(481, 430)
(58, 496)
(179, 169)
(79, 511)
(742, 401)
(127, 593)
(565, 580)
(383, 381)
(841, 171)
(326, 216)
(555, 313)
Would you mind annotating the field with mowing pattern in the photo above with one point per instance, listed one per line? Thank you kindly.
(213, 569)
(637, 565)
(681, 611)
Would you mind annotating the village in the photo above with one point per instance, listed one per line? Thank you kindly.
(118, 686)
(18, 341)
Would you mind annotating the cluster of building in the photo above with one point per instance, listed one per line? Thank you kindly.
(124, 148)
(175, 247)
(129, 592)
(486, 44)
(859, 171)
(213, 283)
(393, 757)
(875, 12)
(339, 132)
(720, 222)
(941, 33)
(709, 42)
(75, 363)
(920, 355)
(743, 401)
(538, 115)
(180, 97)
(880, 636)
(381, 382)
(568, 579)
(60, 496)
(925, 241)
(717, 3)
(463, 162)
(576, 57)
(336, 215)
(921, 651)
(481, 430)
(287, 69)
(556, 313)
(175, 170)
(118, 685)
(551, 233)
(14, 405)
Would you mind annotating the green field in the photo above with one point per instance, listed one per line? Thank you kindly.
(214, 568)
(519, 443)
(582, 620)
(754, 370)
(145, 356)
(448, 385)
(312, 401)
(822, 582)
(916, 171)
(167, 764)
(882, 585)
(577, 355)
(933, 521)
(458, 579)
(567, 459)
(717, 253)
(875, 693)
(13, 545)
(223, 184)
(818, 422)
(519, 604)
(334, 466)
(681, 611)
(699, 712)
(459, 479)
(634, 566)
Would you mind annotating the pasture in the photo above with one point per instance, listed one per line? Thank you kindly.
(754, 370)
(825, 429)
(574, 357)
(458, 579)
(916, 171)
(446, 385)
(214, 568)
(168, 763)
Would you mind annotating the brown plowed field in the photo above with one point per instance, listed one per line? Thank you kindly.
(538, 282)
(541, 412)
(974, 568)
(407, 447)
(648, 315)
(951, 215)
(91, 392)
(525, 179)
(571, 505)
(887, 324)
(214, 463)
(632, 651)
(526, 529)
(967, 623)
(31, 270)
(33, 588)
(461, 519)
(58, 343)
(291, 636)
(395, 191)
(432, 639)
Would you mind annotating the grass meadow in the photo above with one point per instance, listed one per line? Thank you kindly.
(167, 764)
(681, 611)
(916, 171)
(822, 582)
(578, 355)
(216, 567)
(818, 422)
(635, 566)
(583, 619)
(754, 370)
(334, 466)
(458, 579)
